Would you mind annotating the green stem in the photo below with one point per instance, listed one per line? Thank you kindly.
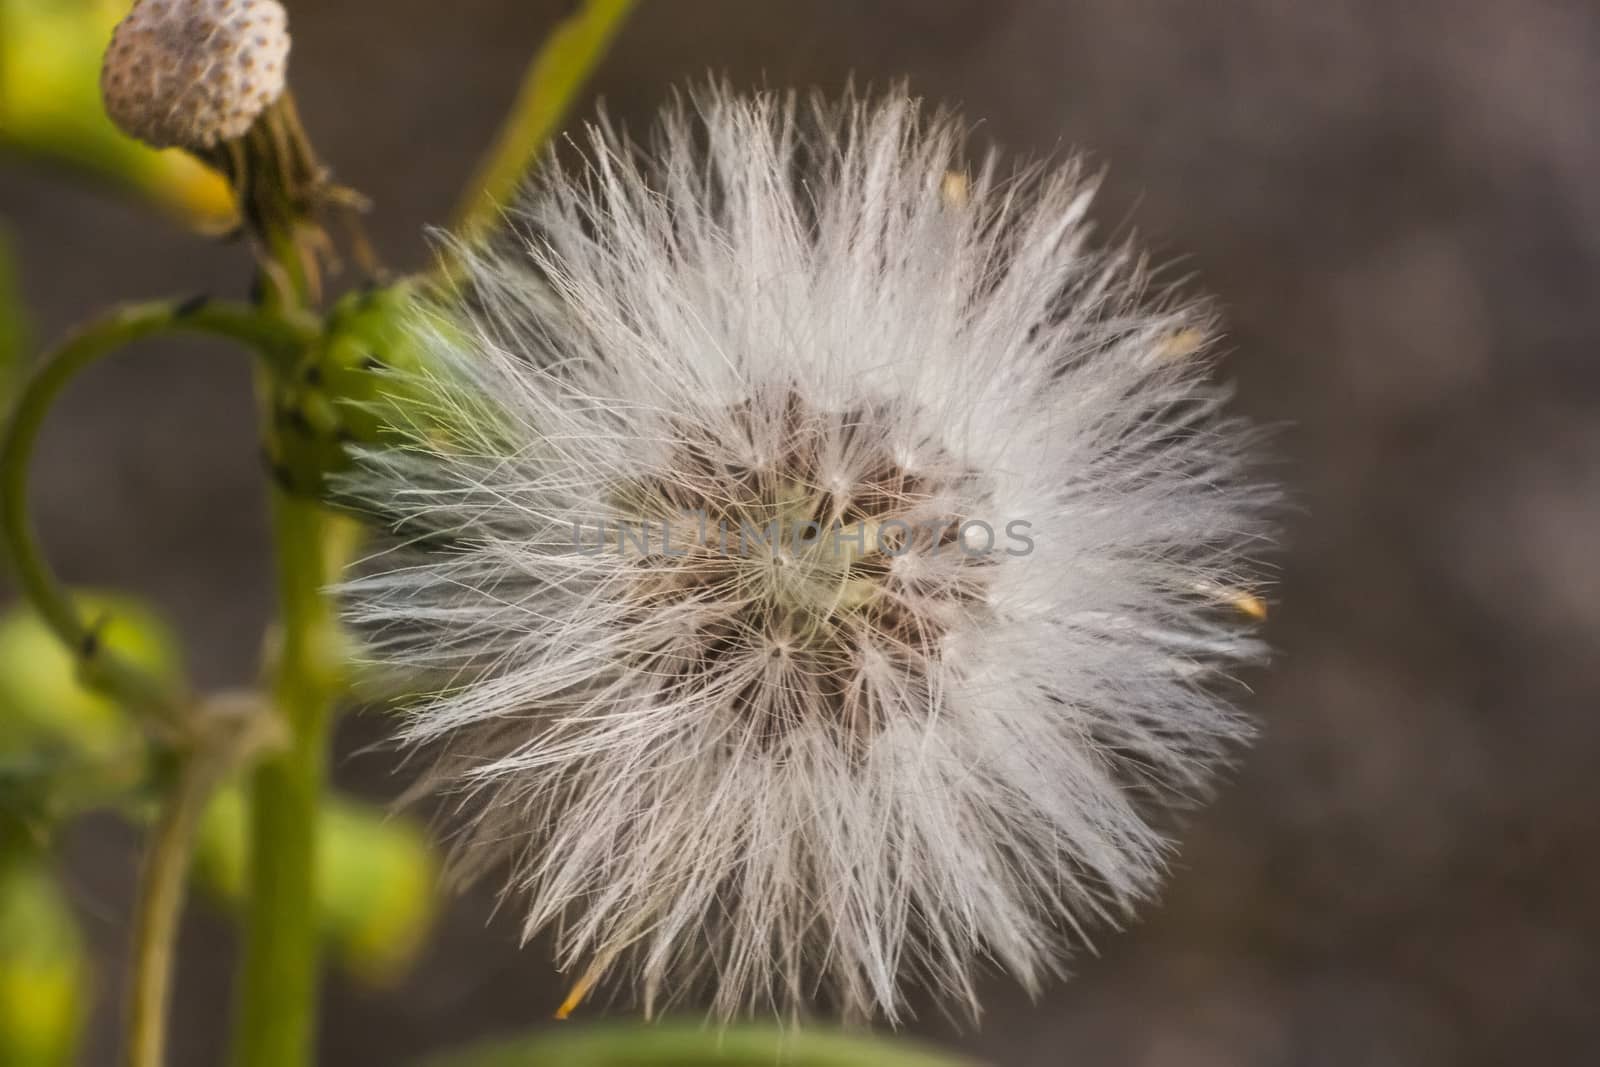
(552, 83)
(162, 887)
(278, 987)
(277, 337)
(221, 735)
(279, 977)
(278, 983)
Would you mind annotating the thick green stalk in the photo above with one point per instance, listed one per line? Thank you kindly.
(280, 974)
(279, 981)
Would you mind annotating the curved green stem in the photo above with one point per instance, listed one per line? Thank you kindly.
(277, 337)
(552, 83)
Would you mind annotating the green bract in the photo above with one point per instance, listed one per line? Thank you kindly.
(366, 360)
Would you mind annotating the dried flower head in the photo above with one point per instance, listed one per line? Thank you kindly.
(830, 558)
(195, 73)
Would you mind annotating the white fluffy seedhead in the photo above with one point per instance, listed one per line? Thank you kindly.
(831, 561)
(194, 73)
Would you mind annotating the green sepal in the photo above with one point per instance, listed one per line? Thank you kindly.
(335, 401)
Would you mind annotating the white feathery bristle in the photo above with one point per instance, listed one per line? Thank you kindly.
(811, 768)
(195, 73)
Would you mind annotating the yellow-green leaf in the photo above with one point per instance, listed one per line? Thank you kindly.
(687, 1045)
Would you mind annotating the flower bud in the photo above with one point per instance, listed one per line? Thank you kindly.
(375, 879)
(44, 971)
(195, 73)
(45, 707)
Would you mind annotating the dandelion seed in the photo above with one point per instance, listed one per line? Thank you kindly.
(840, 739)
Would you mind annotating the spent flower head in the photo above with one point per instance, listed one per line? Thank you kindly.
(832, 560)
(195, 73)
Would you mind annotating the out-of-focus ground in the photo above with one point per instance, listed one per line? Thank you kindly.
(1399, 208)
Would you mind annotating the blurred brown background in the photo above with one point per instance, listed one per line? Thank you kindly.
(1397, 205)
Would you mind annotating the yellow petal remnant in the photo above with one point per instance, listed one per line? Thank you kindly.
(1241, 600)
(1251, 605)
(584, 985)
(1182, 344)
(956, 188)
(575, 995)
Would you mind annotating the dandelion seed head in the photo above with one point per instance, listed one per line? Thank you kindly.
(930, 622)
